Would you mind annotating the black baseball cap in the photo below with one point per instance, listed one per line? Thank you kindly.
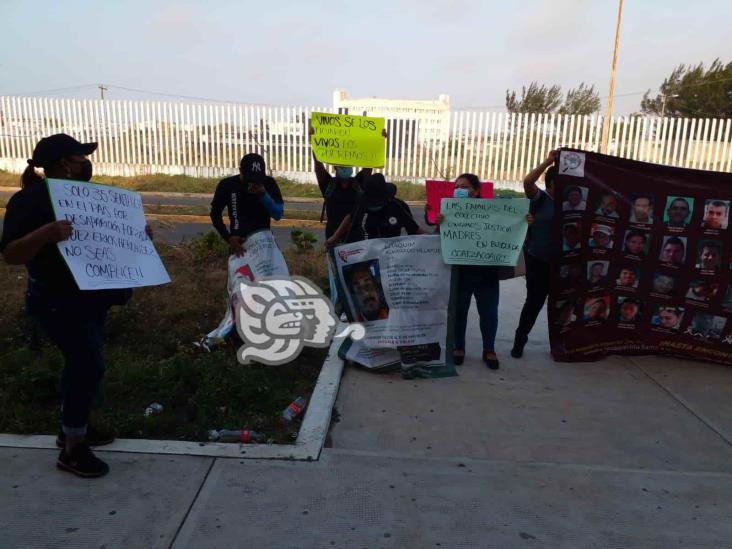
(253, 168)
(53, 148)
(375, 190)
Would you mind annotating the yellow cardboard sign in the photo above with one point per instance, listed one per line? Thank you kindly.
(347, 140)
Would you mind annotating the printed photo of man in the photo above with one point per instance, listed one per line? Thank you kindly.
(572, 237)
(702, 290)
(636, 243)
(716, 214)
(709, 257)
(597, 308)
(364, 282)
(663, 284)
(629, 309)
(608, 206)
(668, 317)
(627, 277)
(673, 250)
(641, 209)
(575, 199)
(571, 275)
(565, 313)
(601, 236)
(597, 273)
(706, 327)
(678, 211)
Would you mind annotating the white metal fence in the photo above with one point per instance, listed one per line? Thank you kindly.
(208, 139)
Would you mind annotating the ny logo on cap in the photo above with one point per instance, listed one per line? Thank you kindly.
(256, 167)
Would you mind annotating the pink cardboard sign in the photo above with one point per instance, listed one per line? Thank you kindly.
(437, 190)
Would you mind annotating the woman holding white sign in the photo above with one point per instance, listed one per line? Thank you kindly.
(479, 281)
(73, 319)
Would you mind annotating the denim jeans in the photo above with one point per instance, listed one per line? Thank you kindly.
(537, 288)
(77, 330)
(483, 283)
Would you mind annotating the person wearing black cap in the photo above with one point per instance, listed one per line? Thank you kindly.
(252, 199)
(377, 215)
(73, 319)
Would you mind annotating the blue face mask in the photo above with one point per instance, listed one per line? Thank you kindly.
(344, 172)
(460, 193)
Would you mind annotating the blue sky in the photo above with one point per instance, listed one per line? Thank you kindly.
(297, 53)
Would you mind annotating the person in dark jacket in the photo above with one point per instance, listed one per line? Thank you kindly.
(252, 199)
(538, 250)
(378, 214)
(72, 318)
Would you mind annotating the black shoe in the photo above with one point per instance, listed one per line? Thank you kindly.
(492, 363)
(458, 359)
(518, 346)
(82, 462)
(94, 437)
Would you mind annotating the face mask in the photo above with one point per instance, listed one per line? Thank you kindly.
(460, 193)
(344, 172)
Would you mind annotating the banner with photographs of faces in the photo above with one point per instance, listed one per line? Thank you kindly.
(643, 260)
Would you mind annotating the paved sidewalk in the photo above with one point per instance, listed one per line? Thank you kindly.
(619, 453)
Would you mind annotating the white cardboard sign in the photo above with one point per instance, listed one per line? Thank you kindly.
(108, 247)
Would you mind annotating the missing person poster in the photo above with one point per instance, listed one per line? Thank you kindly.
(399, 290)
(108, 247)
(347, 140)
(643, 260)
(261, 258)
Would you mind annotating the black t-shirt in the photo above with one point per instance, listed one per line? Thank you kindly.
(28, 210)
(247, 213)
(339, 202)
(386, 223)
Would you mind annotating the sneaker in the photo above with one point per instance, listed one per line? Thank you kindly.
(94, 437)
(82, 462)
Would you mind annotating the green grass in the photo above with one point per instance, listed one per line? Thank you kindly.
(150, 358)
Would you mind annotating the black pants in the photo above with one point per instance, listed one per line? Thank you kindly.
(537, 288)
(77, 330)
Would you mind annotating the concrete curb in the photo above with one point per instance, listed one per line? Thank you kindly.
(307, 447)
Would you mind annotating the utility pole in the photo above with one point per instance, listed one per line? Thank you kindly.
(611, 94)
(102, 89)
(663, 102)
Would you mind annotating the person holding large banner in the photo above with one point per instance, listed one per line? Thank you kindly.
(252, 199)
(72, 318)
(538, 249)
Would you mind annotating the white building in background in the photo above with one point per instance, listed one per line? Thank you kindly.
(427, 119)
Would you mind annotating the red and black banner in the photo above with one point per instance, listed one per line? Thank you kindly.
(643, 260)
